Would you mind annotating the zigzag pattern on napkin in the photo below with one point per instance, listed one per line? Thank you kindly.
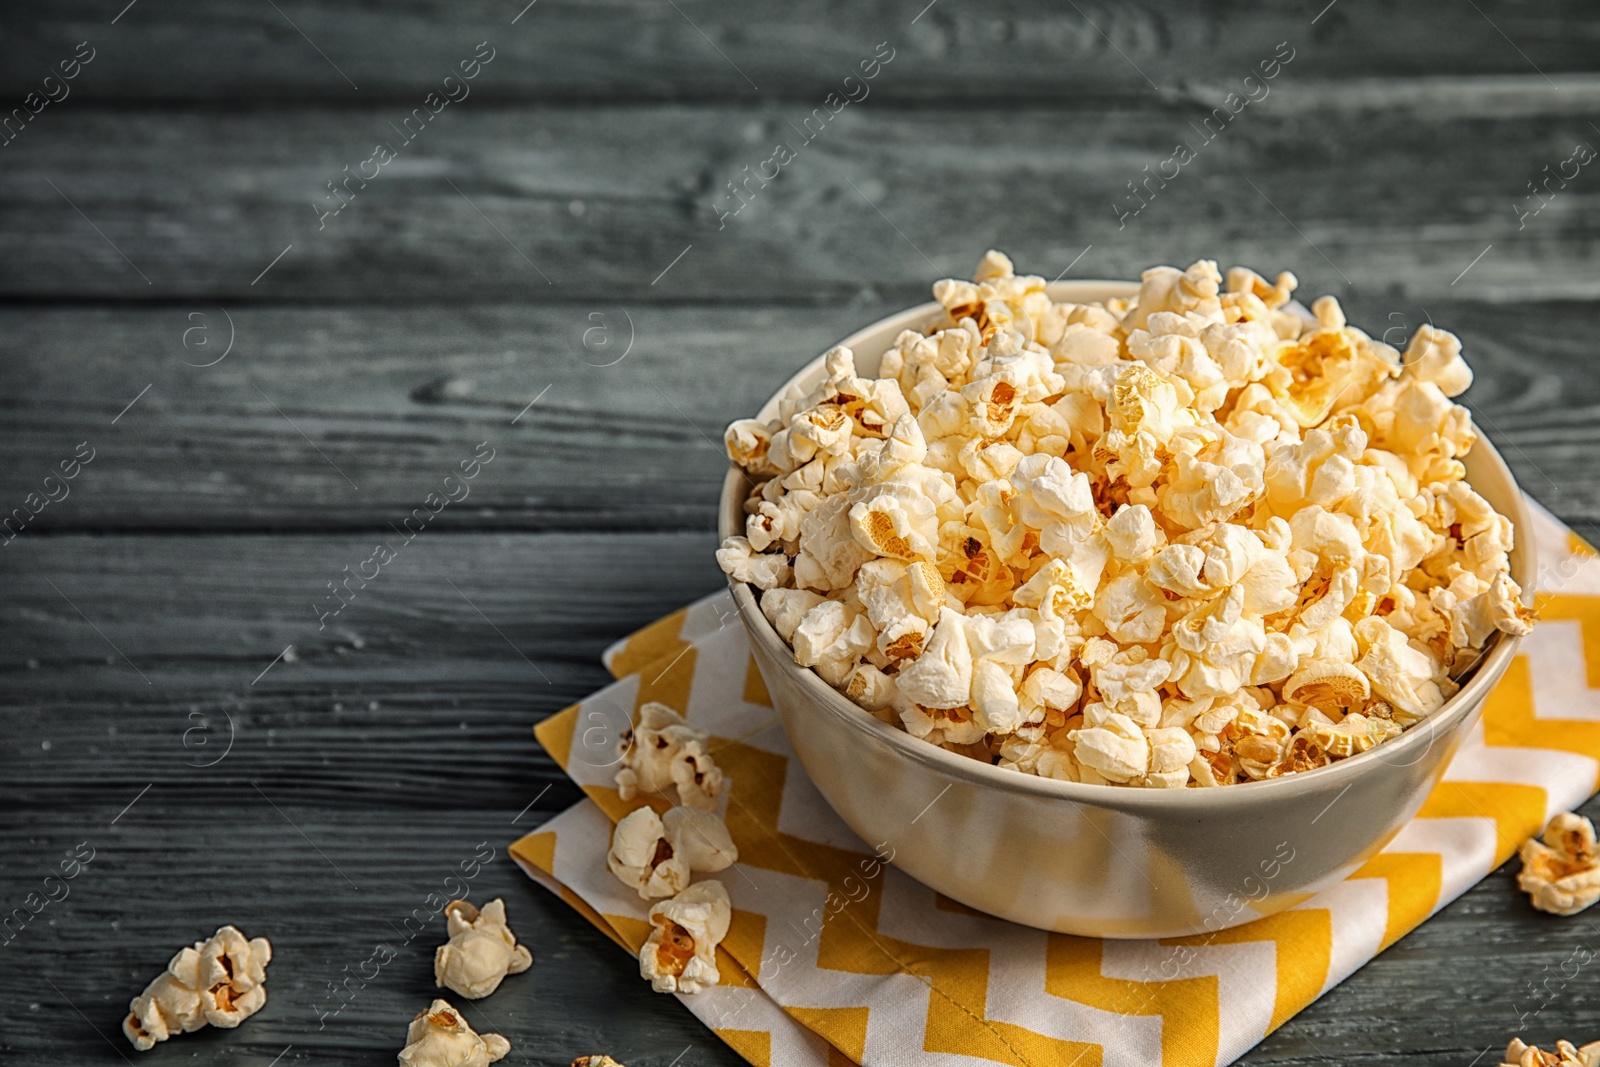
(817, 973)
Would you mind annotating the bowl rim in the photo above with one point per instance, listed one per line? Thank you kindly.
(1435, 728)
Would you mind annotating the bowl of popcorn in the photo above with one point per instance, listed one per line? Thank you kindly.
(1125, 609)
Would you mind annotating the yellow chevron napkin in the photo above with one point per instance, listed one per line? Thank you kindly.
(834, 956)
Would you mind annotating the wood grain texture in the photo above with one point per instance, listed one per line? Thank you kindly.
(420, 693)
(394, 399)
(538, 204)
(162, 878)
(1483, 969)
(1389, 164)
(631, 49)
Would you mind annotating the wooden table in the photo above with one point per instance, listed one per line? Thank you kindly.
(268, 388)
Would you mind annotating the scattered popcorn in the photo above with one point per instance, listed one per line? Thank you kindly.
(1565, 1055)
(656, 856)
(595, 1061)
(1354, 734)
(768, 571)
(1561, 872)
(661, 749)
(440, 1037)
(219, 981)
(481, 950)
(1193, 538)
(680, 955)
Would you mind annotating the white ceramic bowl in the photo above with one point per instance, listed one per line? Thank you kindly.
(1100, 860)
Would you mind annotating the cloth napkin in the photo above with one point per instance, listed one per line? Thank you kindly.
(834, 956)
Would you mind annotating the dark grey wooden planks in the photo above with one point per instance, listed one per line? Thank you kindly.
(1485, 968)
(538, 204)
(1390, 164)
(137, 659)
(326, 889)
(395, 399)
(572, 52)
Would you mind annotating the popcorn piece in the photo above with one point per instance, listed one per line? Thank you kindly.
(904, 447)
(823, 430)
(942, 676)
(1048, 688)
(896, 520)
(481, 950)
(1273, 296)
(993, 265)
(696, 776)
(1050, 494)
(900, 600)
(1400, 674)
(1065, 585)
(1300, 753)
(784, 608)
(1112, 745)
(1144, 401)
(1133, 534)
(870, 688)
(1058, 536)
(166, 1007)
(1474, 618)
(748, 441)
(1328, 687)
(829, 552)
(219, 981)
(1001, 647)
(596, 1061)
(1132, 610)
(1214, 485)
(440, 1037)
(1259, 742)
(680, 954)
(1166, 289)
(940, 726)
(1561, 871)
(778, 523)
(1127, 679)
(643, 857)
(656, 856)
(832, 637)
(701, 838)
(1323, 369)
(743, 564)
(1351, 736)
(698, 779)
(661, 750)
(874, 406)
(1435, 356)
(1171, 752)
(1565, 1055)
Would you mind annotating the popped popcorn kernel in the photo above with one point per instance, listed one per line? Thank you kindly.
(218, 982)
(1561, 868)
(1565, 1055)
(657, 856)
(680, 954)
(662, 750)
(481, 951)
(440, 1037)
(1194, 538)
